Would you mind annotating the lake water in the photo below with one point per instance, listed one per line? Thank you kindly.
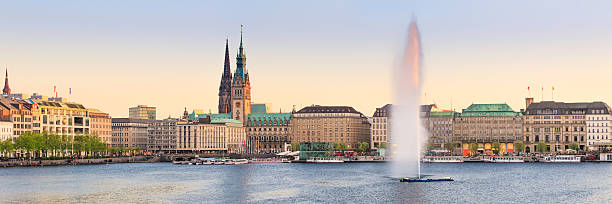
(306, 183)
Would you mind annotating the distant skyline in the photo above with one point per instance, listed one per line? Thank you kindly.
(119, 54)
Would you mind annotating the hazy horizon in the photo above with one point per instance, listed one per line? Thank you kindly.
(115, 55)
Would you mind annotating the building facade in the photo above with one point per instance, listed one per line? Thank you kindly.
(130, 133)
(439, 126)
(485, 124)
(268, 132)
(101, 125)
(162, 135)
(558, 124)
(19, 113)
(143, 112)
(62, 118)
(211, 136)
(341, 124)
(380, 126)
(599, 128)
(6, 130)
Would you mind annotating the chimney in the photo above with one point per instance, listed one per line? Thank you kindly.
(528, 101)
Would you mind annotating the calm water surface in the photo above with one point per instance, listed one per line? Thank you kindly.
(306, 183)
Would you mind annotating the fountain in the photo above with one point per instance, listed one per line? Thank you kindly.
(407, 132)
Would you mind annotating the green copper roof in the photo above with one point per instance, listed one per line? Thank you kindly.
(223, 120)
(194, 116)
(259, 108)
(442, 114)
(480, 110)
(262, 119)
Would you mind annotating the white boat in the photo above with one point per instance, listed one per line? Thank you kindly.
(241, 161)
(442, 159)
(504, 160)
(324, 160)
(560, 159)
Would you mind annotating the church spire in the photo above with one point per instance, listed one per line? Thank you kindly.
(225, 87)
(241, 71)
(6, 89)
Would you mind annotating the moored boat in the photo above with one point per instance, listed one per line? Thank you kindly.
(560, 159)
(501, 159)
(442, 159)
(324, 160)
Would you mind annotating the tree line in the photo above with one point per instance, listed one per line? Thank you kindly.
(49, 145)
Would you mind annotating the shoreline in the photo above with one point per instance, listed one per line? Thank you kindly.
(67, 162)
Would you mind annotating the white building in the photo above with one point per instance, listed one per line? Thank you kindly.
(599, 126)
(6, 130)
(218, 135)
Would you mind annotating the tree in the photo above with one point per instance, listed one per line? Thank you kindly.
(574, 146)
(451, 146)
(340, 146)
(7, 147)
(519, 147)
(382, 145)
(541, 147)
(496, 147)
(473, 148)
(295, 146)
(363, 146)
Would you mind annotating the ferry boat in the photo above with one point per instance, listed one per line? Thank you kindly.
(560, 159)
(324, 160)
(412, 180)
(442, 159)
(504, 160)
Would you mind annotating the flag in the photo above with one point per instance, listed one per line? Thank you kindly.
(553, 88)
(528, 88)
(70, 91)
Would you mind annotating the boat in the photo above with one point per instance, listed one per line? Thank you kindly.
(241, 161)
(495, 159)
(414, 180)
(324, 160)
(442, 159)
(560, 159)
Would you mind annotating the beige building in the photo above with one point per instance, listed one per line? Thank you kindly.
(6, 130)
(558, 124)
(162, 135)
(101, 125)
(485, 124)
(439, 126)
(143, 112)
(62, 118)
(329, 124)
(130, 133)
(218, 135)
(380, 126)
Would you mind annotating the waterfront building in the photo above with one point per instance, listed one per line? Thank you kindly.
(329, 124)
(6, 130)
(101, 125)
(267, 132)
(599, 128)
(558, 124)
(19, 113)
(162, 135)
(130, 133)
(143, 112)
(211, 135)
(439, 126)
(241, 88)
(61, 118)
(380, 124)
(225, 86)
(485, 124)
(198, 113)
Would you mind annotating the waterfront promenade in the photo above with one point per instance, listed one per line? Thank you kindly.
(60, 162)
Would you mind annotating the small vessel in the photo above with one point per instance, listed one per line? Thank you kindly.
(241, 161)
(560, 159)
(433, 179)
(324, 160)
(442, 159)
(496, 159)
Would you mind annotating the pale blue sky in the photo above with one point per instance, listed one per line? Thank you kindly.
(117, 54)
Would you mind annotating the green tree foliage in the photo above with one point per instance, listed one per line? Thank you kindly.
(519, 147)
(363, 146)
(340, 146)
(541, 147)
(382, 145)
(451, 146)
(47, 144)
(574, 146)
(496, 147)
(473, 148)
(295, 146)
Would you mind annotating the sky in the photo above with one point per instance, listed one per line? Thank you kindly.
(119, 54)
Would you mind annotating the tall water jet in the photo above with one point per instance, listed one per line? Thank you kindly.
(406, 128)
